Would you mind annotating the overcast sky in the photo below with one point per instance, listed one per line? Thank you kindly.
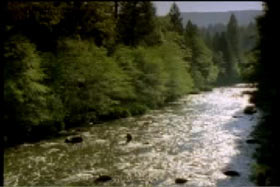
(204, 6)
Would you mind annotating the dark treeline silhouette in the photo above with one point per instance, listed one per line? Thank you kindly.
(266, 171)
(73, 63)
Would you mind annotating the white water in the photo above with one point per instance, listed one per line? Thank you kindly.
(195, 138)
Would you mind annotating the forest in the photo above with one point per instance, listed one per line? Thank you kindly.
(70, 64)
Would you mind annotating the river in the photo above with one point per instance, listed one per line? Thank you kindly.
(195, 138)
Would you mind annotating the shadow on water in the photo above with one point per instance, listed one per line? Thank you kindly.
(242, 161)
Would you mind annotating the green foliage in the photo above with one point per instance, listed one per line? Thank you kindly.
(234, 56)
(90, 82)
(248, 37)
(96, 61)
(26, 98)
(157, 73)
(175, 74)
(90, 19)
(60, 19)
(249, 67)
(233, 36)
(230, 45)
(203, 70)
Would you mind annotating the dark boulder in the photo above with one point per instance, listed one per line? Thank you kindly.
(252, 141)
(250, 110)
(253, 98)
(103, 178)
(231, 173)
(180, 181)
(74, 139)
(128, 138)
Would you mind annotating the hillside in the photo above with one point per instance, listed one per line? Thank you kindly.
(203, 19)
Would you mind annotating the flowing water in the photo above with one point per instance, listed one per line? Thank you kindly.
(196, 138)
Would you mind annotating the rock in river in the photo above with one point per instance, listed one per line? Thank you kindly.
(128, 138)
(74, 139)
(180, 181)
(231, 173)
(252, 141)
(103, 178)
(250, 110)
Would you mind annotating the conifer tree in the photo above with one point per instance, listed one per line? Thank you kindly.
(234, 49)
(136, 22)
(175, 19)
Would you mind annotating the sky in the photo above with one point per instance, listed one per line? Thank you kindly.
(204, 6)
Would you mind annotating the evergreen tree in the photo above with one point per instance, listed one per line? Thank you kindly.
(202, 67)
(234, 49)
(223, 46)
(175, 19)
(136, 23)
(208, 40)
(233, 36)
(191, 31)
(215, 44)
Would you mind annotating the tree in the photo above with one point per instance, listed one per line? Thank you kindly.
(91, 85)
(136, 23)
(175, 19)
(221, 56)
(234, 58)
(191, 31)
(208, 40)
(202, 67)
(266, 170)
(233, 36)
(25, 95)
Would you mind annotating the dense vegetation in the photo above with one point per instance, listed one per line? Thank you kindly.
(71, 63)
(266, 171)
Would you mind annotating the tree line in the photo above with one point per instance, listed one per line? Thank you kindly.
(71, 63)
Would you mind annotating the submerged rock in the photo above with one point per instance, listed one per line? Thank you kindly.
(231, 173)
(75, 139)
(103, 178)
(237, 116)
(180, 181)
(250, 110)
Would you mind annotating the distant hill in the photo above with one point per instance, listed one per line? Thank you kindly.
(203, 19)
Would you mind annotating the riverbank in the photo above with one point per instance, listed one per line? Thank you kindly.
(46, 132)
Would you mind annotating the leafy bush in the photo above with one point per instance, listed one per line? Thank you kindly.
(89, 80)
(26, 98)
